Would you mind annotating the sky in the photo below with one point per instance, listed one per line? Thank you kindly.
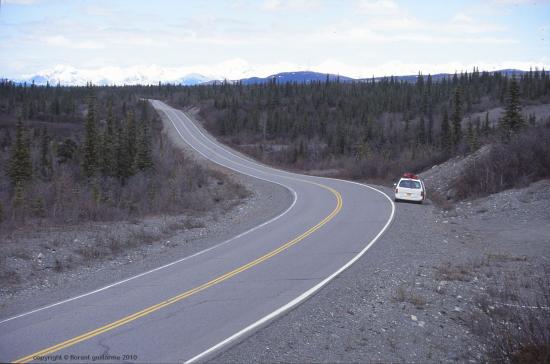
(241, 38)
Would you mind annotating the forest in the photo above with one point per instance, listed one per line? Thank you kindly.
(76, 154)
(377, 129)
(73, 154)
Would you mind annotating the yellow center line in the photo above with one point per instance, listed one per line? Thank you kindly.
(181, 296)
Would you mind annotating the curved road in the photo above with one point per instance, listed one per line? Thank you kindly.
(198, 305)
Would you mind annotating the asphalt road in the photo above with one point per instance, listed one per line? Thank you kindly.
(201, 304)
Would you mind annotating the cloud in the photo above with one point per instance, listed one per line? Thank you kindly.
(463, 23)
(386, 21)
(62, 41)
(290, 5)
(21, 2)
(522, 2)
(378, 7)
(272, 5)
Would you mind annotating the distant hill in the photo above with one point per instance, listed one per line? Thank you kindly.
(70, 76)
(441, 76)
(298, 77)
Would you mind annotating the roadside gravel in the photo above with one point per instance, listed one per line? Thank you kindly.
(420, 293)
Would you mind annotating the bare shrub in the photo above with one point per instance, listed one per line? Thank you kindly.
(184, 224)
(58, 265)
(440, 201)
(517, 332)
(404, 294)
(141, 236)
(91, 253)
(453, 272)
(9, 276)
(522, 160)
(21, 254)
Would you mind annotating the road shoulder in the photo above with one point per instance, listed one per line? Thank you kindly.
(431, 290)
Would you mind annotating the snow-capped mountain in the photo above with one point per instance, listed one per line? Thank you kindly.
(143, 75)
(152, 75)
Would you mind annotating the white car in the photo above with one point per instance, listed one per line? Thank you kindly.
(410, 188)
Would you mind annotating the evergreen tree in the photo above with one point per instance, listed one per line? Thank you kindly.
(457, 118)
(143, 159)
(422, 131)
(486, 126)
(108, 159)
(90, 158)
(66, 151)
(430, 125)
(472, 138)
(512, 120)
(131, 130)
(45, 160)
(123, 160)
(445, 138)
(20, 166)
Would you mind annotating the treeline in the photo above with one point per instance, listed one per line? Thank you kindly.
(368, 129)
(71, 154)
(118, 149)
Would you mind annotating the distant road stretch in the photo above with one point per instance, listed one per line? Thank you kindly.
(197, 306)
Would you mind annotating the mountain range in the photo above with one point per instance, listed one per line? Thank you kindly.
(70, 76)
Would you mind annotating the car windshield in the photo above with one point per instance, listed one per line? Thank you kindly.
(408, 183)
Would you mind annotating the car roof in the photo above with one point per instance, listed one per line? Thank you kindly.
(410, 179)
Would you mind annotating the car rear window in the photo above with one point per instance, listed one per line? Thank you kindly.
(407, 183)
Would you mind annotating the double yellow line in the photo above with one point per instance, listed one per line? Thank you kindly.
(184, 295)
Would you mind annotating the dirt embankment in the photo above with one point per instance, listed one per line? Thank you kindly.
(51, 263)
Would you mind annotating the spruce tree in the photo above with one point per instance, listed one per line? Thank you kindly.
(445, 138)
(108, 147)
(20, 166)
(422, 131)
(143, 159)
(472, 138)
(131, 130)
(429, 137)
(90, 157)
(45, 160)
(457, 118)
(123, 160)
(486, 126)
(512, 121)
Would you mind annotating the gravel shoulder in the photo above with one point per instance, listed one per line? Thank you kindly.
(433, 289)
(175, 237)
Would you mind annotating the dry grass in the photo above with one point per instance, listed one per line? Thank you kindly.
(184, 224)
(454, 272)
(404, 294)
(440, 201)
(9, 276)
(517, 331)
(504, 258)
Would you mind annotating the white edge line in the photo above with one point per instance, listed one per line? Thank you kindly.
(295, 199)
(304, 295)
